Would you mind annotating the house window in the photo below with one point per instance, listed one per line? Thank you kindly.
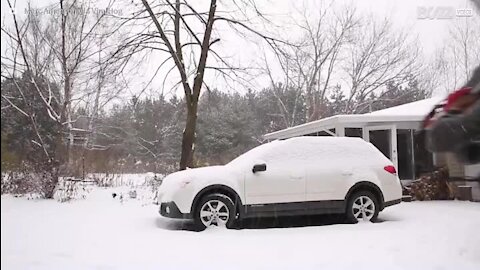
(406, 158)
(423, 158)
(353, 132)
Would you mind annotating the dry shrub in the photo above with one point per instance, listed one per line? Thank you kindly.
(72, 189)
(432, 186)
(28, 179)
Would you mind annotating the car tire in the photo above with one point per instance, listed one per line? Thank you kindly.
(215, 210)
(362, 206)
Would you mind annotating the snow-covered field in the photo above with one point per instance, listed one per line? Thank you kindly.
(102, 233)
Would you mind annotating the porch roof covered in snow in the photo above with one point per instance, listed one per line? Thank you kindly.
(406, 116)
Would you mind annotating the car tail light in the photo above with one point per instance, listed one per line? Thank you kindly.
(391, 169)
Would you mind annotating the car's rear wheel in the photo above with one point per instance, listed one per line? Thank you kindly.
(362, 206)
(215, 210)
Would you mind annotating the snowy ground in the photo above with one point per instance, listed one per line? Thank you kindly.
(102, 233)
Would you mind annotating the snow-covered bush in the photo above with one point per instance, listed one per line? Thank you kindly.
(141, 187)
(125, 179)
(103, 179)
(28, 178)
(72, 189)
(20, 183)
(154, 180)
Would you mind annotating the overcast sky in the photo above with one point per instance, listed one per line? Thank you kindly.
(405, 13)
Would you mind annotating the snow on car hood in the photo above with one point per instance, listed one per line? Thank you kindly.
(196, 174)
(196, 178)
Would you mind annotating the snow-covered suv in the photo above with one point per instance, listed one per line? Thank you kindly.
(297, 176)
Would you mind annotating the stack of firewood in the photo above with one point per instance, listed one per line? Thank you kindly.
(432, 186)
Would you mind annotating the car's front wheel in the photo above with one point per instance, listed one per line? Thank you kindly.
(362, 206)
(215, 210)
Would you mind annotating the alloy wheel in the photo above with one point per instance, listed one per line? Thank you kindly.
(214, 212)
(363, 208)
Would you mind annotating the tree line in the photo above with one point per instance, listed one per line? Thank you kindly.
(63, 74)
(141, 134)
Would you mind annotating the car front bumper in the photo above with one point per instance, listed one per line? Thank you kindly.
(170, 210)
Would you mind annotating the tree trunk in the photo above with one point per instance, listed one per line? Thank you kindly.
(192, 97)
(66, 122)
(188, 139)
(50, 179)
(192, 94)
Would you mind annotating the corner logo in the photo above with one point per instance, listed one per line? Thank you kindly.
(442, 12)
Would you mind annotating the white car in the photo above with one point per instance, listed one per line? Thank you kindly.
(297, 176)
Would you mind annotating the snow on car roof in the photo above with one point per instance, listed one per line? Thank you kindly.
(306, 147)
(329, 151)
(330, 145)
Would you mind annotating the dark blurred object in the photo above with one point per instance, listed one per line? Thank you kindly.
(132, 194)
(432, 186)
(454, 125)
(477, 4)
(464, 193)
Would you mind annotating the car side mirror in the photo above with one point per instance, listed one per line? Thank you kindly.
(259, 168)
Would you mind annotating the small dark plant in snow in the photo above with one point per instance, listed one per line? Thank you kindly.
(103, 179)
(72, 189)
(132, 194)
(154, 183)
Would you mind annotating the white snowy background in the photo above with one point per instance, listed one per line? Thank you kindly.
(100, 232)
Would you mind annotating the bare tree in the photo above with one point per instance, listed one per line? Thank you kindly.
(27, 53)
(76, 39)
(310, 64)
(377, 54)
(459, 55)
(186, 37)
(58, 47)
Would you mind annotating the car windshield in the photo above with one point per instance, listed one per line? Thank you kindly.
(251, 155)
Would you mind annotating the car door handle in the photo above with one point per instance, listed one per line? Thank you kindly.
(296, 177)
(347, 174)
